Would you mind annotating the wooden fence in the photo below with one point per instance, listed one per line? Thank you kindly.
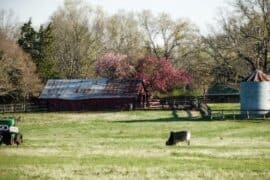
(239, 114)
(204, 99)
(22, 107)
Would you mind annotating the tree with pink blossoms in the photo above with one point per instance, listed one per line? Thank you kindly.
(113, 65)
(159, 74)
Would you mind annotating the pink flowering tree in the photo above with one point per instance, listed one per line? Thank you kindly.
(113, 65)
(157, 74)
(160, 75)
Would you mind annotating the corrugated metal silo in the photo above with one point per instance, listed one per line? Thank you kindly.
(255, 94)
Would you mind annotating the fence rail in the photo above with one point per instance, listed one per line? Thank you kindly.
(21, 107)
(205, 99)
(237, 113)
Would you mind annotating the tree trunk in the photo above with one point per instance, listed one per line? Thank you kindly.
(265, 57)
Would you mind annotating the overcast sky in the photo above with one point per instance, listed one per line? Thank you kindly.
(200, 12)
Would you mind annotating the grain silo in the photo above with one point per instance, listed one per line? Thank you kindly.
(255, 94)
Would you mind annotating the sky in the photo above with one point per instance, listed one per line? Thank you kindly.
(200, 12)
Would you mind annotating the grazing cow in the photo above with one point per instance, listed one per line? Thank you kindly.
(179, 136)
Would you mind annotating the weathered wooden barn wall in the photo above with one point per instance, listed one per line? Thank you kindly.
(91, 104)
(85, 95)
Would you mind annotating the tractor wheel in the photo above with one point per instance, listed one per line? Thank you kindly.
(1, 140)
(11, 139)
(18, 139)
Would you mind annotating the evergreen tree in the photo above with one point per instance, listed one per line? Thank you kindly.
(46, 63)
(39, 46)
(29, 40)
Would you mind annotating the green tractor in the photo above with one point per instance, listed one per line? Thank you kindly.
(9, 133)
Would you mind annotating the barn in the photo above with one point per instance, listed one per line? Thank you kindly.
(93, 94)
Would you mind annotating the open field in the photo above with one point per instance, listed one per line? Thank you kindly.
(131, 145)
(224, 106)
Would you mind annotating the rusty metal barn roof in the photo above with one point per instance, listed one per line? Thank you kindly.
(81, 89)
(258, 76)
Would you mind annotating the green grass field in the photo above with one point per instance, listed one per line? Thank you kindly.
(131, 145)
(224, 106)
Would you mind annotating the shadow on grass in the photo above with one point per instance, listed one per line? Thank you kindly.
(175, 118)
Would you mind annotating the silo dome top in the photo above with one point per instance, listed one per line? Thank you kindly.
(258, 76)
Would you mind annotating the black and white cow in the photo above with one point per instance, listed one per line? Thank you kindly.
(179, 136)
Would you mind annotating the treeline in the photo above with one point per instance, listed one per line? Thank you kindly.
(82, 41)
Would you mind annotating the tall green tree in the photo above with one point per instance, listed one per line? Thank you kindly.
(39, 45)
(46, 63)
(28, 40)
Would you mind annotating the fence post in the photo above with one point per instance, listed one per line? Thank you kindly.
(247, 114)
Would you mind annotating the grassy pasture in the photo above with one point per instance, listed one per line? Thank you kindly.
(224, 106)
(131, 145)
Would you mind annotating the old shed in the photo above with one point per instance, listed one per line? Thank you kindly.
(90, 94)
(222, 93)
